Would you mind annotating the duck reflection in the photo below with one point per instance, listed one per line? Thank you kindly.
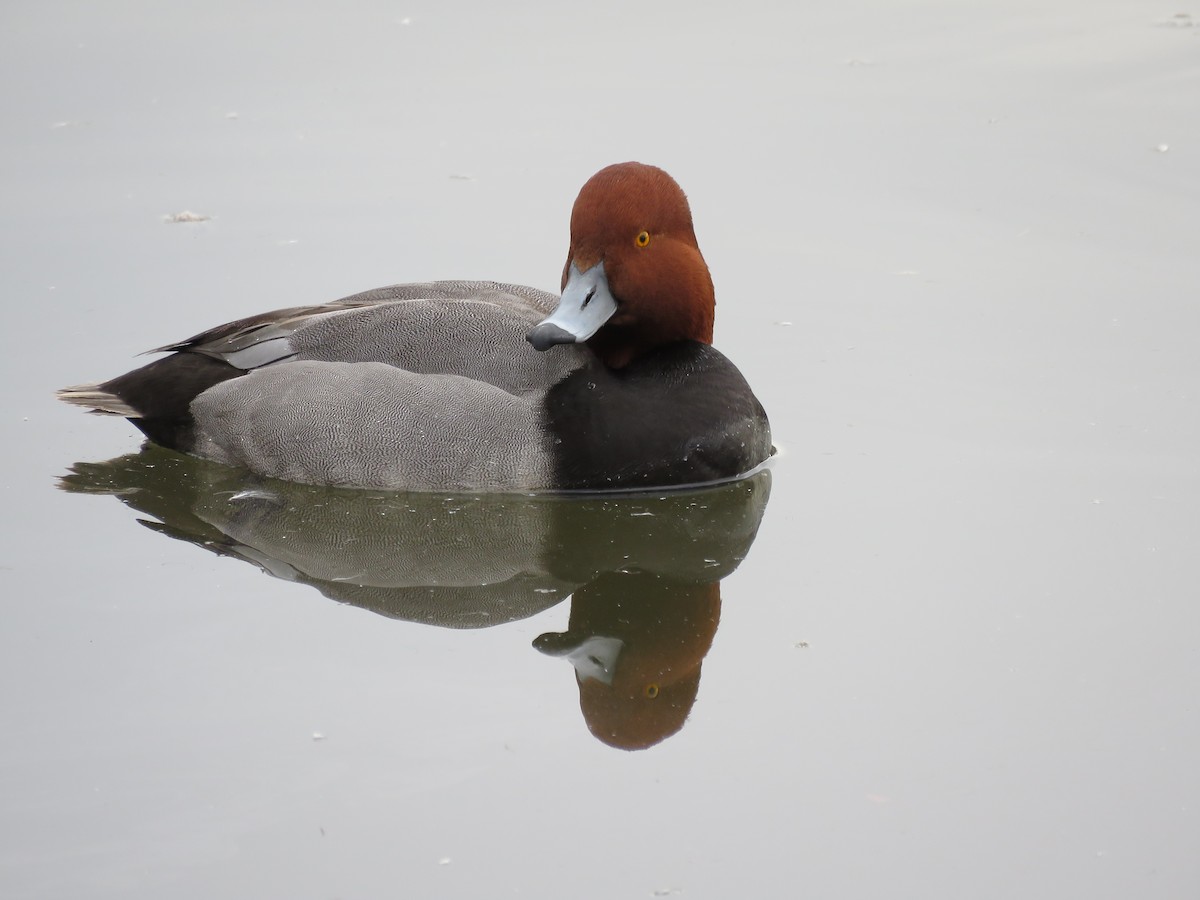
(643, 571)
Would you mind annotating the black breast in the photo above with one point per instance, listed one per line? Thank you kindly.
(682, 414)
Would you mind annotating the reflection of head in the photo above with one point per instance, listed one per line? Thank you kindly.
(659, 631)
(637, 719)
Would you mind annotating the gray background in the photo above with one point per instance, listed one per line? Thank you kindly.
(955, 250)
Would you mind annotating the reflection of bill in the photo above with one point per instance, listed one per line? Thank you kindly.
(644, 570)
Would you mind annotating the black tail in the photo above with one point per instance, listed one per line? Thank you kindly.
(157, 397)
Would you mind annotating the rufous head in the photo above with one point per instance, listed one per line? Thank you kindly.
(634, 278)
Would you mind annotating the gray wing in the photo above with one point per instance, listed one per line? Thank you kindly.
(469, 328)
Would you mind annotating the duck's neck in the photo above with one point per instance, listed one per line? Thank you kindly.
(618, 348)
(679, 309)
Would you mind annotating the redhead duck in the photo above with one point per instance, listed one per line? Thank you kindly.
(438, 386)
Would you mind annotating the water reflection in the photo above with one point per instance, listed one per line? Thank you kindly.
(643, 571)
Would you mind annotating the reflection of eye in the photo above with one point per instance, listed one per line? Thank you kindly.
(652, 691)
(643, 239)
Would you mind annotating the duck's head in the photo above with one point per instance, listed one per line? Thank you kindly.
(634, 278)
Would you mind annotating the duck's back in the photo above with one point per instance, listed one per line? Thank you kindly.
(470, 328)
(473, 329)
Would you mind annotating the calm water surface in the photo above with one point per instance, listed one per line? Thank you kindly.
(946, 647)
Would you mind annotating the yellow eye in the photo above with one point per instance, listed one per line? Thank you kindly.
(643, 239)
(651, 689)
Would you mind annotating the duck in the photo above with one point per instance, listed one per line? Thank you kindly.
(469, 386)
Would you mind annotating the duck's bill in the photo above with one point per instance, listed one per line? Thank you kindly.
(592, 656)
(585, 305)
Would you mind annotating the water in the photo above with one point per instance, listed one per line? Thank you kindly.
(958, 657)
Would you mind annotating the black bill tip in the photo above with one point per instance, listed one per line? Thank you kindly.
(546, 335)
